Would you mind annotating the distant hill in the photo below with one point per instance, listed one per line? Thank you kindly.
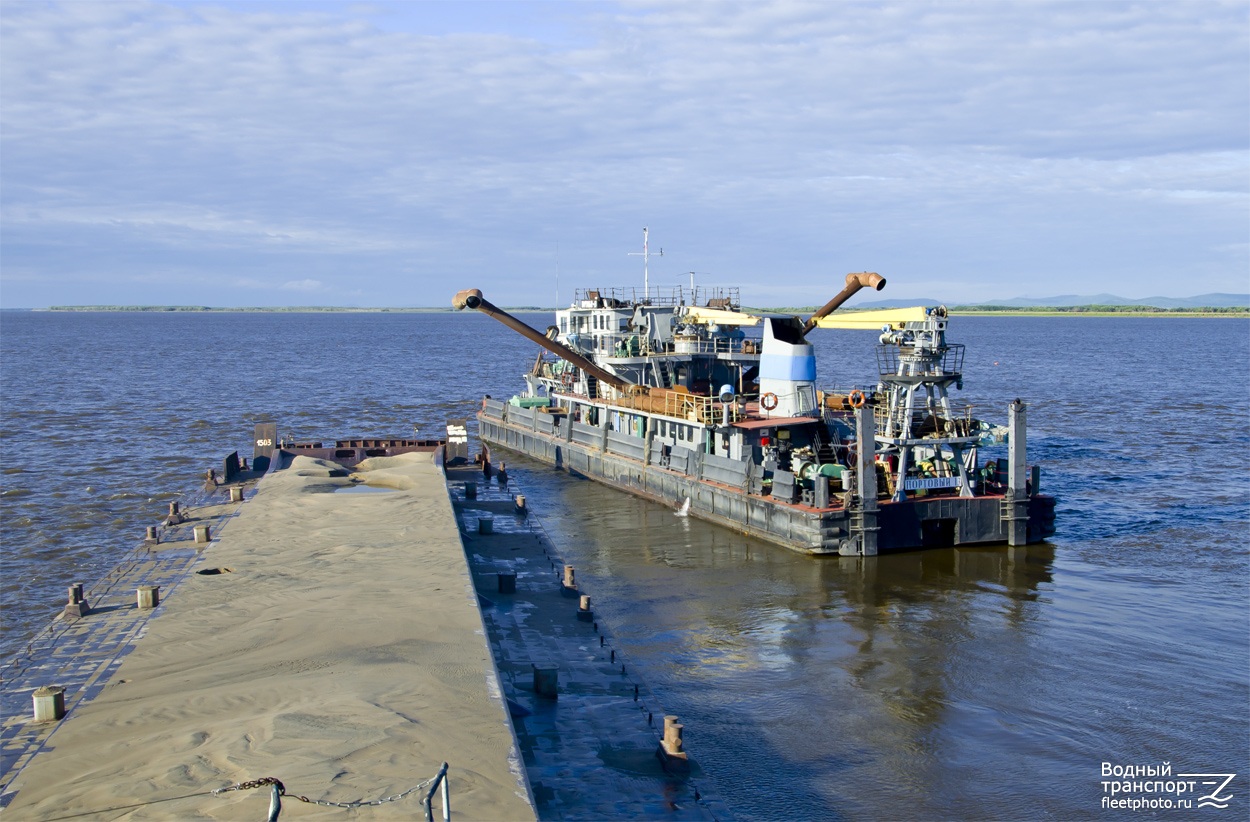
(1199, 301)
(907, 303)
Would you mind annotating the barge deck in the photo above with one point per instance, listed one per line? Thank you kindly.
(331, 640)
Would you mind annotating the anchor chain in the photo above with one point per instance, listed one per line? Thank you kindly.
(270, 780)
(255, 783)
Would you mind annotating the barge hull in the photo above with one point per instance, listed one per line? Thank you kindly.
(613, 460)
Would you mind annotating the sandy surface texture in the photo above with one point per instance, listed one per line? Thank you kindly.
(340, 650)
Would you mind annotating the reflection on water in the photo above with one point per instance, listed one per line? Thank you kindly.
(936, 684)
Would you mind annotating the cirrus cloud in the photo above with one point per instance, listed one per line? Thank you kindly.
(396, 148)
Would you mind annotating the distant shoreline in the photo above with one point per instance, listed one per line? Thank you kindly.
(962, 311)
(1091, 312)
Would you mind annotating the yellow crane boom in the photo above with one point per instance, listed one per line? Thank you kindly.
(874, 320)
(867, 320)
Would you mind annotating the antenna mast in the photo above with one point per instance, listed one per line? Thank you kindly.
(693, 301)
(646, 256)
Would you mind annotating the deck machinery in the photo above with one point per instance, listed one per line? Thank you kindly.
(679, 395)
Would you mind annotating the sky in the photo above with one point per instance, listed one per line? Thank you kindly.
(390, 154)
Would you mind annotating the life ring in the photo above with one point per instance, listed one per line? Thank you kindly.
(768, 401)
(856, 398)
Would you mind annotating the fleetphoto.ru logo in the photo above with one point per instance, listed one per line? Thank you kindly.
(1150, 787)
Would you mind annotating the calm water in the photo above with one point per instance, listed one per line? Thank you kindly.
(945, 684)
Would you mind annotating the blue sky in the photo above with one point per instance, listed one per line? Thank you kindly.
(389, 154)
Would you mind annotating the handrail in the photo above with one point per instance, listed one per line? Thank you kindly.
(669, 403)
(428, 801)
(679, 404)
(619, 345)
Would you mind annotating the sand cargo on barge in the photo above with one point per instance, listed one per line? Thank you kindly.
(679, 395)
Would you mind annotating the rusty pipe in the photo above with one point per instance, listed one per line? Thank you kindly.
(472, 298)
(854, 282)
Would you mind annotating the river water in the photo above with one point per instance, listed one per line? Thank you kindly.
(961, 683)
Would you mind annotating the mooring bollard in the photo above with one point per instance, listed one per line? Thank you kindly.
(485, 525)
(671, 744)
(470, 490)
(49, 703)
(520, 504)
(546, 680)
(152, 536)
(175, 514)
(236, 493)
(507, 582)
(568, 584)
(148, 596)
(77, 604)
(203, 535)
(584, 614)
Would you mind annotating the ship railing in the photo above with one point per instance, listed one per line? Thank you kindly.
(722, 345)
(836, 403)
(621, 297)
(706, 410)
(678, 404)
(960, 422)
(893, 361)
(638, 345)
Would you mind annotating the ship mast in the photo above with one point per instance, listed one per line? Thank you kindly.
(646, 256)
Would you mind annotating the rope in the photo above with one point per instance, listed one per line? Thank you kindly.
(128, 807)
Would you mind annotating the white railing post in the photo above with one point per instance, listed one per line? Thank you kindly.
(275, 803)
(439, 781)
(446, 796)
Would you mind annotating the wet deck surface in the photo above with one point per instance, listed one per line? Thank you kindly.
(81, 654)
(590, 753)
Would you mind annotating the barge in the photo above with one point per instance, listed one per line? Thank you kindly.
(683, 398)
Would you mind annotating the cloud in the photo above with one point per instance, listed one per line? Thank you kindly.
(765, 142)
(304, 285)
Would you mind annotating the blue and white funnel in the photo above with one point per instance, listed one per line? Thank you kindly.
(787, 370)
